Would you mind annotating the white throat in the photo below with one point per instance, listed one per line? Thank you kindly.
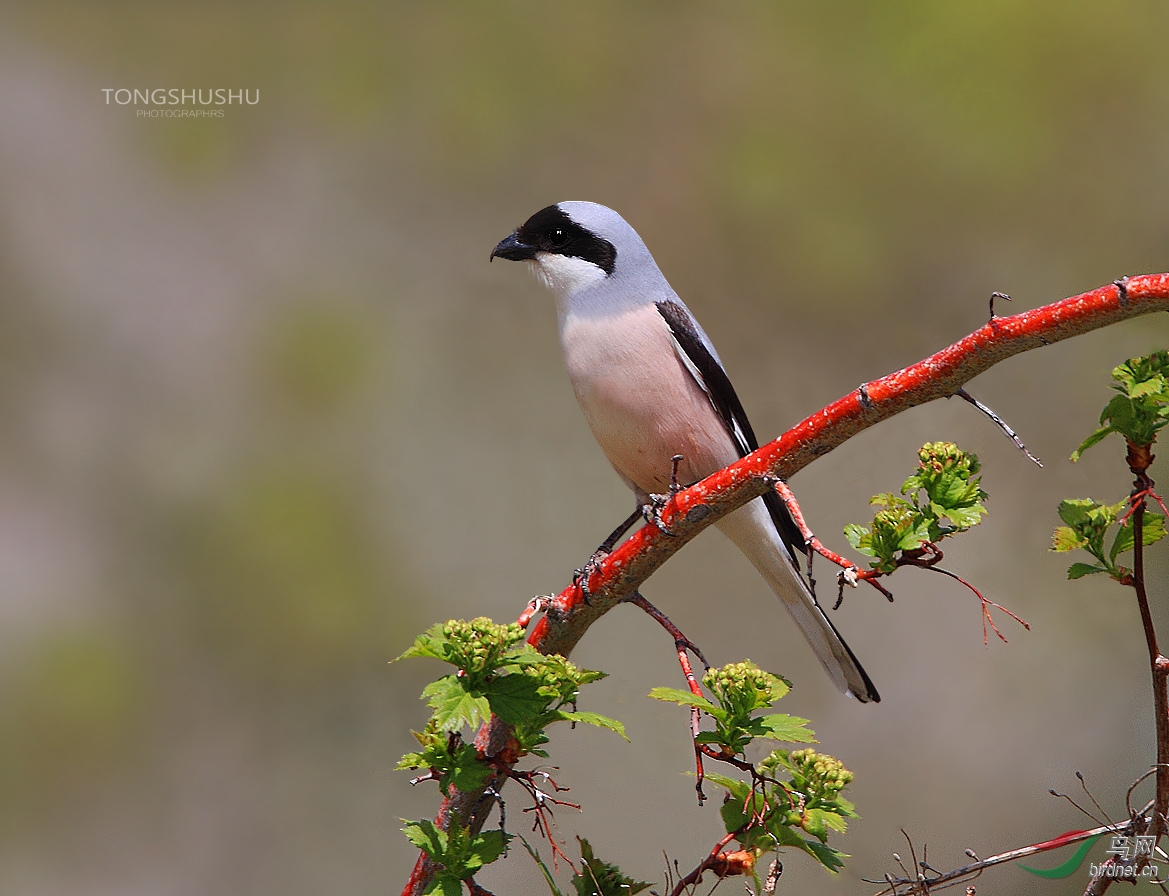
(565, 275)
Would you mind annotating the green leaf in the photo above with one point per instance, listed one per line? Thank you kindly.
(1154, 528)
(1094, 439)
(446, 884)
(516, 698)
(597, 878)
(813, 822)
(856, 535)
(791, 729)
(736, 788)
(831, 859)
(454, 706)
(485, 849)
(736, 812)
(428, 838)
(429, 643)
(1066, 539)
(966, 517)
(831, 819)
(686, 698)
(456, 762)
(1153, 531)
(458, 853)
(1079, 570)
(592, 718)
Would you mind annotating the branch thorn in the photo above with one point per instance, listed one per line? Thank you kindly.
(1001, 424)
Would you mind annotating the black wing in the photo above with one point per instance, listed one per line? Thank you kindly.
(709, 374)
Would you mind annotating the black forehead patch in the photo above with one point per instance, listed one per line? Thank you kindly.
(551, 230)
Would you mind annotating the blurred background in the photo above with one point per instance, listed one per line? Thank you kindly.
(266, 412)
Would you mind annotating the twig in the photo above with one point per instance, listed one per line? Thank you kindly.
(959, 875)
(1081, 809)
(1001, 423)
(682, 643)
(929, 557)
(1099, 808)
(851, 573)
(709, 862)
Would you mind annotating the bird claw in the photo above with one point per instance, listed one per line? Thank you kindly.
(657, 503)
(582, 576)
(653, 513)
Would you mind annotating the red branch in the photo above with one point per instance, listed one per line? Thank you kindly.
(850, 572)
(939, 376)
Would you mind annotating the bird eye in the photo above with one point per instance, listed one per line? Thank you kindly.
(557, 237)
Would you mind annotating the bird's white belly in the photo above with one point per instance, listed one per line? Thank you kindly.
(641, 403)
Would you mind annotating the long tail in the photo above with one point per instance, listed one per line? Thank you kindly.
(754, 533)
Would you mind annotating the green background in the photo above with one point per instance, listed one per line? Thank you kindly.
(266, 411)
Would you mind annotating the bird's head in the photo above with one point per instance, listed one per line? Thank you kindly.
(572, 245)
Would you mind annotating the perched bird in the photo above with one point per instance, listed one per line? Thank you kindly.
(652, 387)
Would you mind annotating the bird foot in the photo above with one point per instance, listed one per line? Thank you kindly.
(657, 503)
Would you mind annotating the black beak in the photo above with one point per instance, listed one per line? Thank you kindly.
(512, 249)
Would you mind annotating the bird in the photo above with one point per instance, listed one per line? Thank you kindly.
(652, 387)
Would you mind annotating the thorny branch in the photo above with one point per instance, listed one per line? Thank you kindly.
(568, 616)
(928, 879)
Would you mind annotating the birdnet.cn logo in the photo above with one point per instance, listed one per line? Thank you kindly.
(159, 102)
(1131, 860)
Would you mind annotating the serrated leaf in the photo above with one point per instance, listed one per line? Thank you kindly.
(428, 838)
(813, 822)
(1154, 386)
(1074, 511)
(454, 706)
(429, 643)
(785, 835)
(597, 878)
(834, 820)
(485, 849)
(411, 761)
(781, 726)
(1079, 570)
(524, 655)
(466, 776)
(516, 698)
(1066, 539)
(966, 517)
(855, 533)
(592, 718)
(1153, 531)
(1118, 411)
(915, 537)
(686, 698)
(831, 859)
